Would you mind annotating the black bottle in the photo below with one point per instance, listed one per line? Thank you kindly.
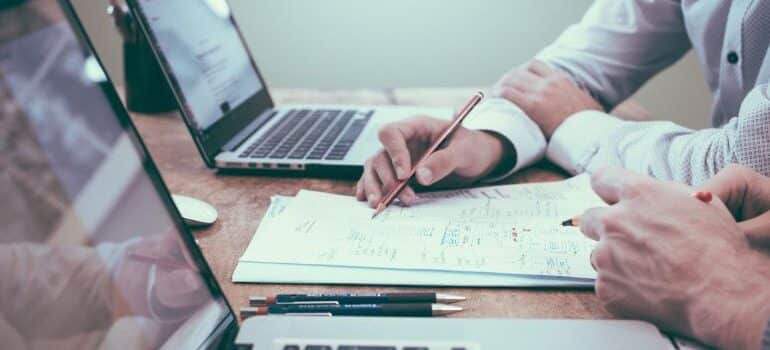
(147, 90)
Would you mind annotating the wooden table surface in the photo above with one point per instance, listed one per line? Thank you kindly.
(242, 200)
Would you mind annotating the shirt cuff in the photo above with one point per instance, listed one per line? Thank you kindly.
(506, 119)
(578, 139)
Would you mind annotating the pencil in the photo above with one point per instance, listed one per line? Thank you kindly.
(702, 196)
(573, 222)
(385, 201)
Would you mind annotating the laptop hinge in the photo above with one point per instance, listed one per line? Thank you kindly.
(246, 132)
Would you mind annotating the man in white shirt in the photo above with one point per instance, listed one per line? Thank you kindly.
(555, 106)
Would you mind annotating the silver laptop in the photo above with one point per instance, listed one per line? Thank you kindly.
(94, 254)
(228, 108)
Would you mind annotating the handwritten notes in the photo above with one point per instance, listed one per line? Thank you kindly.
(514, 231)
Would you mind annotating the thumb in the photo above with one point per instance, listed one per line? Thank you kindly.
(437, 166)
(757, 230)
(179, 288)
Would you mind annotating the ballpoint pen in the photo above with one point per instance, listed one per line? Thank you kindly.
(401, 310)
(380, 298)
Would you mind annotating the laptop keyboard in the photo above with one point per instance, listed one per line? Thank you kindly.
(318, 344)
(310, 134)
(361, 347)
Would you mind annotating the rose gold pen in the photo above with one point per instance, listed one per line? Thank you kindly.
(384, 202)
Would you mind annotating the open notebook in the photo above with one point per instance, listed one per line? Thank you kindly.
(491, 236)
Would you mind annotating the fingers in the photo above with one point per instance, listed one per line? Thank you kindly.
(598, 223)
(757, 230)
(614, 183)
(746, 193)
(180, 288)
(395, 138)
(378, 179)
(729, 185)
(517, 96)
(590, 223)
(387, 176)
(520, 79)
(372, 187)
(437, 166)
(601, 256)
(540, 68)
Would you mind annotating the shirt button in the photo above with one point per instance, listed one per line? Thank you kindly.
(732, 57)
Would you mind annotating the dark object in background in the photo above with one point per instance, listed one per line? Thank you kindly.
(147, 90)
(9, 3)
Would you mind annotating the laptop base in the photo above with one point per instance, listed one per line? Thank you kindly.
(335, 333)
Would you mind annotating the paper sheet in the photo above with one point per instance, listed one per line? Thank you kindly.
(519, 234)
(257, 272)
(254, 272)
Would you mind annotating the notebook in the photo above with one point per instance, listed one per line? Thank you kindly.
(449, 238)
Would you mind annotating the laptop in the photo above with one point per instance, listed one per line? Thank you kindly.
(94, 254)
(227, 106)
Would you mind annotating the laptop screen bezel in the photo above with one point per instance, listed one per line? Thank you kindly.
(224, 333)
(211, 140)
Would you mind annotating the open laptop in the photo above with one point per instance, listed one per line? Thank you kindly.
(228, 109)
(95, 255)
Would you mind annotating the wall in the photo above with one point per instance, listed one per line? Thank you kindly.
(405, 43)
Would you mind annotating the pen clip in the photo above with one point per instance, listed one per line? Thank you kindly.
(320, 302)
(324, 314)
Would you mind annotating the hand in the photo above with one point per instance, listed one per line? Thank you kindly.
(666, 257)
(547, 95)
(468, 156)
(747, 194)
(175, 291)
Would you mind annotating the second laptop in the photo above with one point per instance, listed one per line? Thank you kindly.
(228, 109)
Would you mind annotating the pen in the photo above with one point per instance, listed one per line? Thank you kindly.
(702, 196)
(402, 310)
(384, 202)
(381, 298)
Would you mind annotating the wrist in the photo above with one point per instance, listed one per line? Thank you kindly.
(502, 154)
(734, 313)
(550, 129)
(748, 325)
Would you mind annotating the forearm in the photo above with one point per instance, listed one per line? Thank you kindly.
(588, 141)
(736, 317)
(618, 45)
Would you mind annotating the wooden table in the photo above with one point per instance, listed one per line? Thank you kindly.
(242, 200)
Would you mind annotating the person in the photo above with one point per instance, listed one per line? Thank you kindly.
(695, 268)
(555, 106)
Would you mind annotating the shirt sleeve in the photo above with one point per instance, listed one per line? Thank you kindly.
(504, 118)
(590, 140)
(619, 45)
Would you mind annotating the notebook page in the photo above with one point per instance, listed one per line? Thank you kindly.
(518, 235)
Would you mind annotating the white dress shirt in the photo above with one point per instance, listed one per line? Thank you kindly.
(617, 47)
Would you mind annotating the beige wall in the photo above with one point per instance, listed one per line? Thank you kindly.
(366, 43)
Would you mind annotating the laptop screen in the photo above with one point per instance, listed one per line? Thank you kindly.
(93, 254)
(202, 49)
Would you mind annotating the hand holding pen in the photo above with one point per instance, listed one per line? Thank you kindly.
(471, 155)
(443, 137)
